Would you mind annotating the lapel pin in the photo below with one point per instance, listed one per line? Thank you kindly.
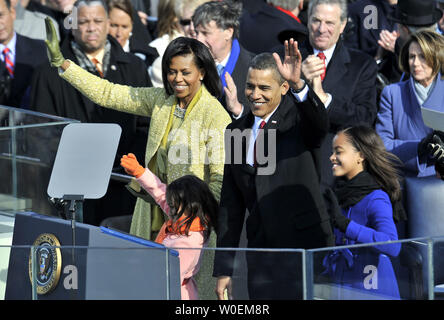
(113, 67)
(273, 121)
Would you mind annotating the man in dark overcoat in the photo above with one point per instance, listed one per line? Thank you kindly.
(272, 174)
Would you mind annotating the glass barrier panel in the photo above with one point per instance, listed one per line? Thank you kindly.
(106, 273)
(438, 268)
(378, 271)
(258, 274)
(28, 146)
(18, 118)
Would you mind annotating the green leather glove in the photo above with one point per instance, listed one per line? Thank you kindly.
(52, 42)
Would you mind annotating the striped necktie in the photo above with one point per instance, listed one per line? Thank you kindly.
(97, 64)
(8, 62)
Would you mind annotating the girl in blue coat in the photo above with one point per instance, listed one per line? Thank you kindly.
(365, 202)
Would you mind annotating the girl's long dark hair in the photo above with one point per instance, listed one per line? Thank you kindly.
(380, 163)
(202, 58)
(192, 196)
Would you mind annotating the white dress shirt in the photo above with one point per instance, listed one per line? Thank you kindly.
(254, 133)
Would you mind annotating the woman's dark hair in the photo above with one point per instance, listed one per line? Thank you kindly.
(380, 163)
(124, 5)
(192, 196)
(202, 58)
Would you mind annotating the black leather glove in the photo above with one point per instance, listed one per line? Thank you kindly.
(334, 210)
(424, 144)
(440, 169)
(436, 149)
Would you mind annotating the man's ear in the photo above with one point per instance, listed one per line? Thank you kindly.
(301, 5)
(285, 86)
(343, 24)
(13, 13)
(361, 157)
(228, 33)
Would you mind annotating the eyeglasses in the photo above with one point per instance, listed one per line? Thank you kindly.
(185, 22)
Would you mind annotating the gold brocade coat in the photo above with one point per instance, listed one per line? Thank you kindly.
(197, 147)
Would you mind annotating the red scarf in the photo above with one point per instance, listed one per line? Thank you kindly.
(289, 13)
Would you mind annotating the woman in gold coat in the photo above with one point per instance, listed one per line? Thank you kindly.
(186, 134)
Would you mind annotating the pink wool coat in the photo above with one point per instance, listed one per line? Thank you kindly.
(189, 247)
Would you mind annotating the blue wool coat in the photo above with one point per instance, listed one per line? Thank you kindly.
(369, 270)
(400, 125)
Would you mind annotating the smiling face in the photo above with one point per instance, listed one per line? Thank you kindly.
(263, 91)
(184, 77)
(325, 26)
(346, 160)
(419, 69)
(120, 25)
(92, 28)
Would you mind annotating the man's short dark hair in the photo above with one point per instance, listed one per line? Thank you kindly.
(225, 14)
(90, 3)
(265, 61)
(8, 4)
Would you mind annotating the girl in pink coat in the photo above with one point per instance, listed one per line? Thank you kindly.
(192, 211)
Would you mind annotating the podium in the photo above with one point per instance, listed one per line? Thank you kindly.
(106, 264)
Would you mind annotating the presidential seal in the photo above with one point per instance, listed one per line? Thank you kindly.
(49, 263)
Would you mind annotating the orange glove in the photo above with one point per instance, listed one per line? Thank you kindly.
(131, 166)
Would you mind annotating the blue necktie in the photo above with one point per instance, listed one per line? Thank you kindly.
(220, 69)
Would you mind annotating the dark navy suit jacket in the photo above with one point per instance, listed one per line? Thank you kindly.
(30, 53)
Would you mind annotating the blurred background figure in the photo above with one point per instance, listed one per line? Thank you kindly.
(368, 18)
(440, 28)
(399, 120)
(121, 27)
(185, 10)
(167, 30)
(19, 57)
(30, 23)
(275, 22)
(59, 10)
